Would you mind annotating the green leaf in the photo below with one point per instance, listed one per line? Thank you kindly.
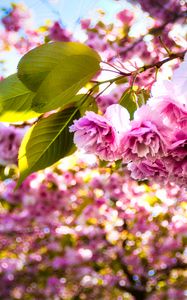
(88, 103)
(37, 63)
(103, 163)
(15, 101)
(57, 71)
(132, 99)
(46, 142)
(128, 100)
(118, 164)
(143, 96)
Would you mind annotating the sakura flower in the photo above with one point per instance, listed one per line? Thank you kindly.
(57, 33)
(19, 17)
(147, 137)
(85, 23)
(125, 16)
(148, 169)
(100, 135)
(173, 111)
(169, 97)
(178, 148)
(178, 171)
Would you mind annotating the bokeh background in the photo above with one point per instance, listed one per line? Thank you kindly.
(82, 229)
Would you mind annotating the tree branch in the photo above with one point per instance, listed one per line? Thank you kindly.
(157, 65)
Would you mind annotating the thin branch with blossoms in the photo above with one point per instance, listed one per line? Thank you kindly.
(157, 65)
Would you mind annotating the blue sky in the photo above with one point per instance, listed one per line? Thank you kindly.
(68, 12)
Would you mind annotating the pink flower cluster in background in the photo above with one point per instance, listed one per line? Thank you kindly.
(10, 140)
(58, 33)
(74, 229)
(18, 18)
(168, 115)
(163, 10)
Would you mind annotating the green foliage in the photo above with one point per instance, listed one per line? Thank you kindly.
(15, 101)
(132, 99)
(46, 142)
(56, 72)
(48, 78)
(84, 102)
(128, 100)
(143, 96)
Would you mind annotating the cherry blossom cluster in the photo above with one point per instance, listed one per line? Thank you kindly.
(57, 33)
(17, 18)
(117, 42)
(16, 31)
(127, 53)
(154, 143)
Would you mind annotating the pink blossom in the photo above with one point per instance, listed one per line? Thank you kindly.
(98, 43)
(85, 23)
(147, 137)
(105, 100)
(146, 169)
(95, 134)
(126, 16)
(167, 102)
(177, 171)
(178, 147)
(57, 33)
(174, 113)
(100, 134)
(10, 140)
(18, 18)
(169, 97)
(112, 98)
